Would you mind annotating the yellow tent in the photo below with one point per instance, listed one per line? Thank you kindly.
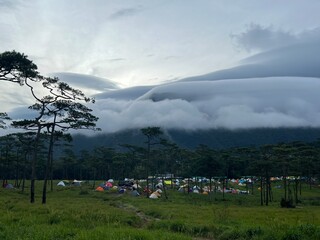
(167, 182)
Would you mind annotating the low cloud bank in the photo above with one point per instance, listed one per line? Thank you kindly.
(232, 104)
(275, 88)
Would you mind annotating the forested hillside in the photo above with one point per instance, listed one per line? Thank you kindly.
(218, 138)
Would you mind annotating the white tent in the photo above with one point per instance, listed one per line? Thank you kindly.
(61, 183)
(76, 183)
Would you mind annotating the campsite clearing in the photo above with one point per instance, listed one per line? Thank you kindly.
(82, 213)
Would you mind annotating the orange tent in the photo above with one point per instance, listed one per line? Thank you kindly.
(99, 189)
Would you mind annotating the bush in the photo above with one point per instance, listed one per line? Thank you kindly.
(286, 204)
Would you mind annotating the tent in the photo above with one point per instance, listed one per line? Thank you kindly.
(61, 183)
(196, 189)
(136, 186)
(183, 188)
(135, 193)
(9, 186)
(99, 189)
(168, 182)
(156, 194)
(76, 183)
(125, 183)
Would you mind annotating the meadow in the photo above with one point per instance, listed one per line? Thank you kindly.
(81, 213)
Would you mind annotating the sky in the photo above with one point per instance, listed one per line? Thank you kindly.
(146, 42)
(174, 63)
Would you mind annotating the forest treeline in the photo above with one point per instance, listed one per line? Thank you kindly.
(157, 156)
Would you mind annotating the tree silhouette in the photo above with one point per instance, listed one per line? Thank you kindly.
(16, 67)
(153, 138)
(60, 108)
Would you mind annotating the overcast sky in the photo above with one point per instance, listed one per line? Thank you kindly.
(174, 63)
(145, 42)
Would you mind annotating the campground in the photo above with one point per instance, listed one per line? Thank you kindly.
(80, 212)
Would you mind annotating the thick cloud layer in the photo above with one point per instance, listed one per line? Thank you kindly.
(278, 86)
(232, 104)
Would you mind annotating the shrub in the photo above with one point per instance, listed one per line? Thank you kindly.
(286, 204)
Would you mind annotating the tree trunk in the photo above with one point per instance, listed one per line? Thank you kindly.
(24, 172)
(51, 172)
(223, 189)
(296, 190)
(310, 183)
(32, 188)
(147, 187)
(267, 190)
(23, 184)
(17, 172)
(261, 191)
(47, 171)
(44, 191)
(300, 182)
(252, 185)
(94, 179)
(270, 192)
(285, 187)
(164, 188)
(49, 162)
(34, 165)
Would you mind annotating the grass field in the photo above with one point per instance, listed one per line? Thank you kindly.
(81, 213)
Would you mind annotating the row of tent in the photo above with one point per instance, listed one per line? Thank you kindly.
(122, 186)
(128, 186)
(65, 183)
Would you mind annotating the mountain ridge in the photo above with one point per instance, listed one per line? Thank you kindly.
(214, 138)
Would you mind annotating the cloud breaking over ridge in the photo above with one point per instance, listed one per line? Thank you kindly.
(202, 66)
(230, 104)
(275, 88)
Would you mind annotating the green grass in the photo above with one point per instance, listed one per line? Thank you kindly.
(81, 213)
